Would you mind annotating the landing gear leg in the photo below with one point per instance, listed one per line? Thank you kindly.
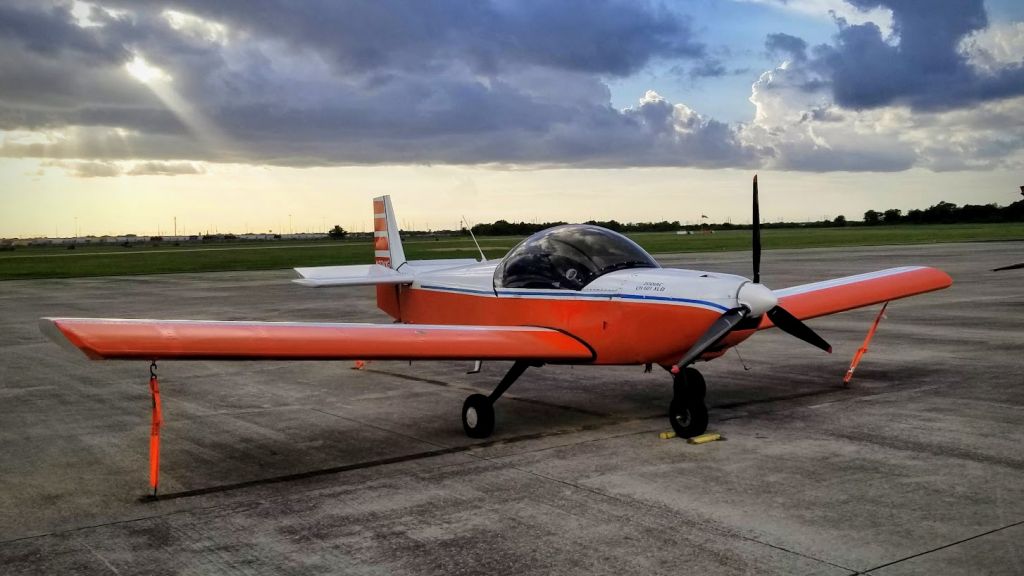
(478, 410)
(687, 413)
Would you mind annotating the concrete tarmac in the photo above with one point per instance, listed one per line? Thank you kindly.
(315, 468)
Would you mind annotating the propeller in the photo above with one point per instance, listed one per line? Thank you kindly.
(756, 243)
(753, 297)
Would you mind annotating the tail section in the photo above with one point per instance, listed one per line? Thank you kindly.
(387, 244)
(387, 252)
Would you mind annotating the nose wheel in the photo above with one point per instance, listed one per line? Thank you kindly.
(687, 413)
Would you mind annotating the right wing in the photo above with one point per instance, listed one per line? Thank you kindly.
(109, 338)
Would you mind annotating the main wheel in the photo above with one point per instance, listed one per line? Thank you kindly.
(689, 384)
(689, 417)
(478, 416)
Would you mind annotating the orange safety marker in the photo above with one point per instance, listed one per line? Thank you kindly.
(359, 365)
(154, 433)
(864, 347)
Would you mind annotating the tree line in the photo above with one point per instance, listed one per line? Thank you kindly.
(941, 213)
(506, 228)
(948, 213)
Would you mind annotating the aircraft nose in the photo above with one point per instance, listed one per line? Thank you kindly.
(757, 297)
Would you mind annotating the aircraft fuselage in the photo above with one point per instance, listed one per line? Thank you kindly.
(634, 316)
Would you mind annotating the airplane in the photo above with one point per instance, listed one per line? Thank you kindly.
(571, 294)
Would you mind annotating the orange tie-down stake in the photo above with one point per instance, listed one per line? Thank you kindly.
(864, 347)
(154, 433)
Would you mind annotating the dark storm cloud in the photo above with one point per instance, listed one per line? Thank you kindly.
(615, 37)
(340, 83)
(458, 82)
(924, 68)
(50, 31)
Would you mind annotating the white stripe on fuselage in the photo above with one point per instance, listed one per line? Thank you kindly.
(534, 294)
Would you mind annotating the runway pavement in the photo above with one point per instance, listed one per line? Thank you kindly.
(314, 468)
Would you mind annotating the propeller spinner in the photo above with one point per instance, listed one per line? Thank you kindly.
(754, 299)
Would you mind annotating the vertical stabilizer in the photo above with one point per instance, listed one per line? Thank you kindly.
(387, 244)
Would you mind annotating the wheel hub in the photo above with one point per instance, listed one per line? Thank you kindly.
(471, 417)
(683, 419)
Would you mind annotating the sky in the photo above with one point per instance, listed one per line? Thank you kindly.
(146, 117)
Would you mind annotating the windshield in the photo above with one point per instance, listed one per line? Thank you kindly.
(569, 258)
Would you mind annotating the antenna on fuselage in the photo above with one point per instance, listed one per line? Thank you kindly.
(473, 236)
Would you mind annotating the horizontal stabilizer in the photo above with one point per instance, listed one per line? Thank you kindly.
(110, 338)
(355, 275)
(372, 274)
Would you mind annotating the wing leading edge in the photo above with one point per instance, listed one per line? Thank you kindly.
(108, 338)
(841, 294)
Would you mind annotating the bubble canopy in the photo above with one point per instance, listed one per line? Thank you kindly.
(568, 258)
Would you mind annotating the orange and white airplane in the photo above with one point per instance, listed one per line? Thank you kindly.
(574, 294)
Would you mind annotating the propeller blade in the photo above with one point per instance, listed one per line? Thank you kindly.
(722, 326)
(757, 236)
(791, 325)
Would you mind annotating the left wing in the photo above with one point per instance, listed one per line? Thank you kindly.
(841, 294)
(108, 338)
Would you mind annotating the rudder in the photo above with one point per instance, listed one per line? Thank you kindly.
(387, 243)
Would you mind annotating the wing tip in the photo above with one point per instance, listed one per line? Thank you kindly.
(51, 328)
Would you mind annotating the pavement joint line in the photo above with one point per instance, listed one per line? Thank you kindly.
(936, 549)
(915, 446)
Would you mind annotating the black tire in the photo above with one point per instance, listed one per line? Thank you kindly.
(689, 418)
(689, 384)
(478, 416)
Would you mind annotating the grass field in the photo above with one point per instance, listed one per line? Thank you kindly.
(41, 262)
